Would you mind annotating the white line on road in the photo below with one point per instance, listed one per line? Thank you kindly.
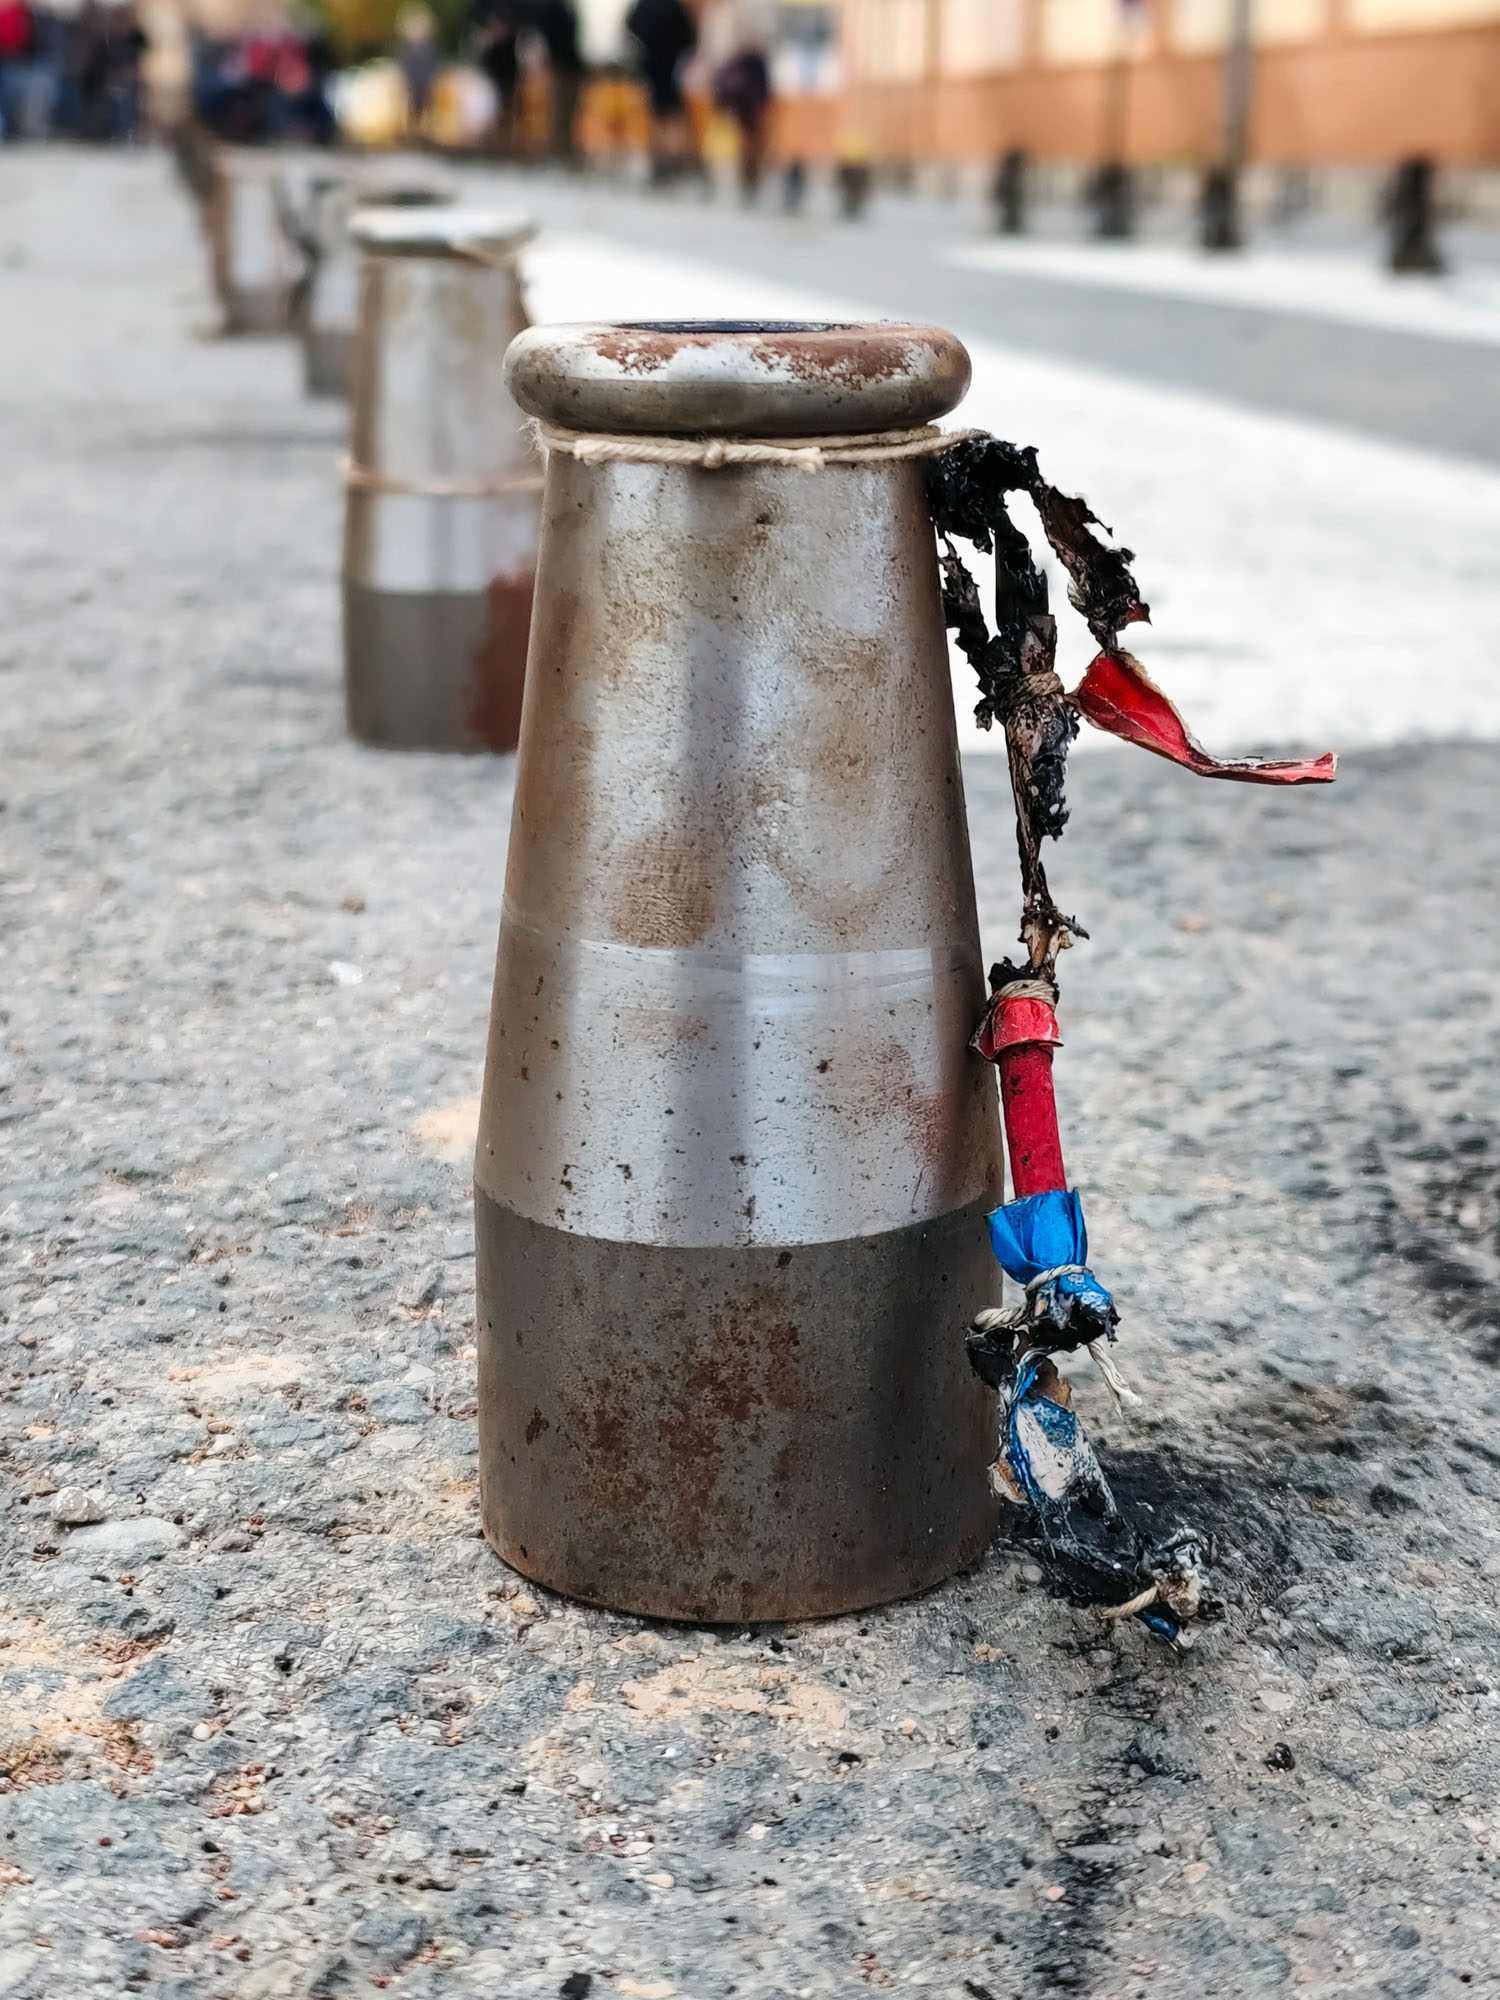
(1462, 306)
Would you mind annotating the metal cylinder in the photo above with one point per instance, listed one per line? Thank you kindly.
(440, 525)
(252, 262)
(330, 304)
(735, 1155)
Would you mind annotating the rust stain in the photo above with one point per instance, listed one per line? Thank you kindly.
(666, 895)
(697, 1454)
(551, 860)
(939, 1127)
(784, 1389)
(641, 350)
(499, 669)
(606, 1429)
(720, 1381)
(845, 356)
(698, 1407)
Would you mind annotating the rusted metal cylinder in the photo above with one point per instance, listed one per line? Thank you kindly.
(735, 1155)
(440, 524)
(330, 303)
(252, 262)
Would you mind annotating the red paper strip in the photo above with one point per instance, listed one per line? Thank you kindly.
(1118, 696)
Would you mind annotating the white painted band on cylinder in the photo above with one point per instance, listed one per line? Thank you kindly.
(702, 1099)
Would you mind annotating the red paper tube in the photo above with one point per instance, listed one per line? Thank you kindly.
(1018, 1035)
(1036, 1161)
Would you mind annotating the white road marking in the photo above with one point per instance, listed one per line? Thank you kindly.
(1461, 305)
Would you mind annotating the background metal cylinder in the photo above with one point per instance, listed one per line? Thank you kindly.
(329, 312)
(441, 516)
(735, 1155)
(251, 259)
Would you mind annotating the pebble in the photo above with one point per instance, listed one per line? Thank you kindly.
(1278, 1701)
(77, 1507)
(425, 1290)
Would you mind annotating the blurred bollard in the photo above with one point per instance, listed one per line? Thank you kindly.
(253, 267)
(193, 154)
(1110, 195)
(735, 1156)
(793, 188)
(1411, 219)
(329, 309)
(440, 524)
(1219, 210)
(852, 178)
(1010, 193)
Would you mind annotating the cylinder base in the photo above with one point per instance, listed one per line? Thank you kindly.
(437, 670)
(727, 1435)
(327, 361)
(255, 311)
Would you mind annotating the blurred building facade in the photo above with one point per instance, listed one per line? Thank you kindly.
(1334, 82)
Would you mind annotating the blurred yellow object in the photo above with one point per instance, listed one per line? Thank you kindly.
(353, 24)
(721, 139)
(371, 104)
(462, 107)
(613, 117)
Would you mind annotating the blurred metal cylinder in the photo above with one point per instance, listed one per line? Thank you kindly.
(329, 310)
(252, 262)
(440, 525)
(735, 1155)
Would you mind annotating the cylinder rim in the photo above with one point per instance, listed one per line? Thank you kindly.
(770, 378)
(436, 229)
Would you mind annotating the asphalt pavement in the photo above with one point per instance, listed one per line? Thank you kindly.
(276, 1725)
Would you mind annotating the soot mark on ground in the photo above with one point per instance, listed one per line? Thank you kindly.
(1242, 1505)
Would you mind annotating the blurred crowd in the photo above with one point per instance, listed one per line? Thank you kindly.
(71, 69)
(513, 77)
(673, 81)
(270, 85)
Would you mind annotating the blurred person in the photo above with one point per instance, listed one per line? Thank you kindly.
(261, 52)
(494, 28)
(665, 34)
(44, 110)
(302, 78)
(742, 89)
(556, 22)
(218, 81)
(417, 54)
(17, 49)
(125, 46)
(89, 63)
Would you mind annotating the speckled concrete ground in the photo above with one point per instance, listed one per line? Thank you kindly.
(280, 1725)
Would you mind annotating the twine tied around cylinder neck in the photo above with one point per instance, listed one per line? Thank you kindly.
(708, 454)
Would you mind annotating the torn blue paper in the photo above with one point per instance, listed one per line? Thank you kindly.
(1042, 1242)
